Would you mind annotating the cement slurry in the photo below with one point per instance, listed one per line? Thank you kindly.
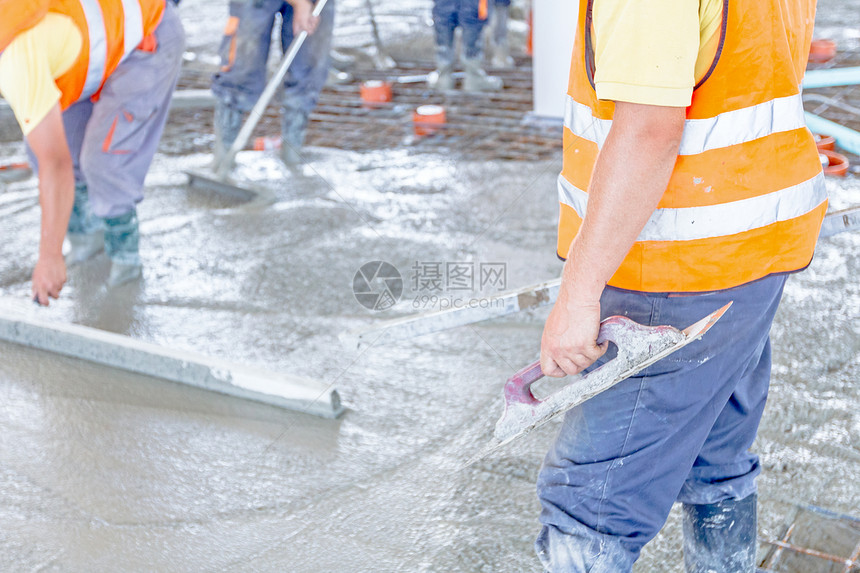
(97, 463)
(102, 470)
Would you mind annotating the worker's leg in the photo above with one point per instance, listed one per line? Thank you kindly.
(719, 494)
(622, 458)
(305, 79)
(501, 48)
(240, 81)
(720, 536)
(473, 19)
(445, 19)
(122, 136)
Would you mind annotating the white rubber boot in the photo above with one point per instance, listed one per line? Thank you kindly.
(477, 80)
(442, 78)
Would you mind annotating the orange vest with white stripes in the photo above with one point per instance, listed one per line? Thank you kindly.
(110, 29)
(747, 196)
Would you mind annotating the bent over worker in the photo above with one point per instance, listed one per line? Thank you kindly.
(689, 180)
(90, 84)
(242, 78)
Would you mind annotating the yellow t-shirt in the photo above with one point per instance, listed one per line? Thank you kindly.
(653, 52)
(33, 61)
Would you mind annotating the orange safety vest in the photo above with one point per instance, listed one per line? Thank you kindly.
(747, 195)
(111, 30)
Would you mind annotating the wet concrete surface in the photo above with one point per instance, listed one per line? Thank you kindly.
(102, 470)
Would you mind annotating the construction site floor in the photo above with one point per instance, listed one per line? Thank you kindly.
(102, 470)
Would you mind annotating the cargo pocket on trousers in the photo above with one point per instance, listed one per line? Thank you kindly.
(127, 132)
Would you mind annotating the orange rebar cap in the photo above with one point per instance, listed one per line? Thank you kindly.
(375, 91)
(428, 118)
(821, 51)
(824, 141)
(833, 163)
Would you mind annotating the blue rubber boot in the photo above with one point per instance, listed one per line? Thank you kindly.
(720, 537)
(122, 236)
(85, 231)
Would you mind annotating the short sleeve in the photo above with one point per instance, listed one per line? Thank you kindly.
(645, 51)
(31, 63)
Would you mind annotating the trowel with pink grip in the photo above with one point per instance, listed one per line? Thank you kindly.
(638, 347)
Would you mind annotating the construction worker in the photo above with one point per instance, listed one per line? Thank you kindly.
(689, 180)
(471, 16)
(90, 87)
(242, 78)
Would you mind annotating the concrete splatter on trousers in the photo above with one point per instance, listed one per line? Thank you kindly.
(678, 431)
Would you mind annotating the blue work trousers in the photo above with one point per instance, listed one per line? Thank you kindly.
(680, 430)
(245, 51)
(448, 14)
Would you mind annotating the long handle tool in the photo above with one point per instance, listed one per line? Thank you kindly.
(839, 221)
(524, 298)
(223, 169)
(638, 347)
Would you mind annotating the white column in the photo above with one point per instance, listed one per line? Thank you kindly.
(553, 30)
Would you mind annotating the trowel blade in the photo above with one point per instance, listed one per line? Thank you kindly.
(690, 334)
(226, 185)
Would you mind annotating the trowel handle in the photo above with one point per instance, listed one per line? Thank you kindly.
(618, 329)
(623, 331)
(518, 386)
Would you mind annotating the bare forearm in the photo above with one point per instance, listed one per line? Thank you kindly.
(630, 177)
(56, 195)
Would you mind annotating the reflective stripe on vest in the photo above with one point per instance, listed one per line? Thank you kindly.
(746, 196)
(111, 30)
(133, 26)
(132, 36)
(690, 223)
(98, 47)
(700, 135)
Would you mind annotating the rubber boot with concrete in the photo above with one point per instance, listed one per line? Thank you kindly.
(85, 231)
(500, 46)
(442, 78)
(122, 235)
(294, 125)
(477, 80)
(228, 122)
(720, 537)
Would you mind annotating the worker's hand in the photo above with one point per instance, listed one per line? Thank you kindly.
(569, 342)
(49, 276)
(303, 18)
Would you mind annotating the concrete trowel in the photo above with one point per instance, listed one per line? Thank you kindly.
(638, 347)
